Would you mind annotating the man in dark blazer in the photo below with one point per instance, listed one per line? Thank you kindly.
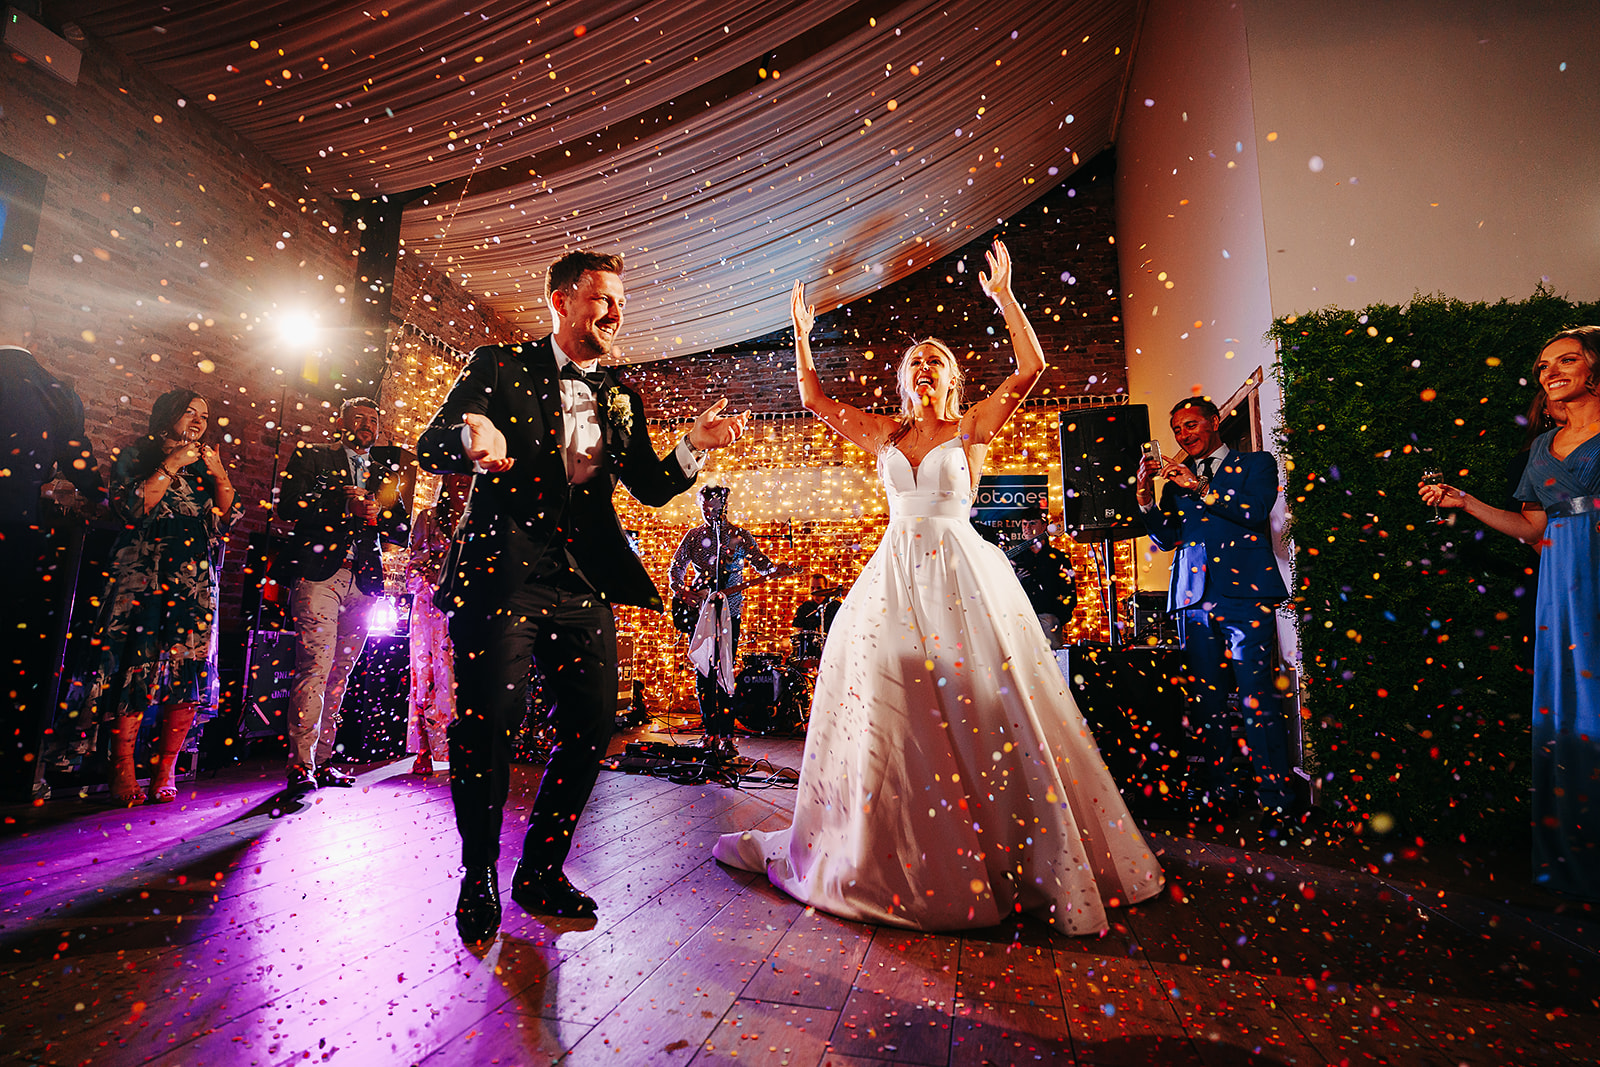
(41, 438)
(538, 561)
(343, 499)
(1216, 515)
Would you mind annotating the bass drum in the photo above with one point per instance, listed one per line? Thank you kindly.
(770, 698)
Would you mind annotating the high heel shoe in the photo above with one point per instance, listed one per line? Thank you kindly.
(423, 767)
(124, 786)
(126, 800)
(163, 788)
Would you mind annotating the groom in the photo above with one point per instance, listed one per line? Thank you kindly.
(538, 560)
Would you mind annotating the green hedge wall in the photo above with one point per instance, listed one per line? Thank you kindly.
(1412, 634)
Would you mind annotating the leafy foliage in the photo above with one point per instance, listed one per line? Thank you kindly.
(1415, 638)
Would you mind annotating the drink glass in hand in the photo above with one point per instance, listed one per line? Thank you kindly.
(355, 501)
(1433, 476)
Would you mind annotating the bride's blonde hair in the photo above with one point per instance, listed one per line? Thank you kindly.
(909, 400)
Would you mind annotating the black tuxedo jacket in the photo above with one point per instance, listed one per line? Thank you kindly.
(312, 497)
(517, 388)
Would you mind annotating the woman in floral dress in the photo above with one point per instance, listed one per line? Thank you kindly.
(156, 631)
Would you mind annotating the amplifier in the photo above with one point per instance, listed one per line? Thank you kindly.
(665, 750)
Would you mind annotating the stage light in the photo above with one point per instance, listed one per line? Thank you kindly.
(383, 617)
(298, 329)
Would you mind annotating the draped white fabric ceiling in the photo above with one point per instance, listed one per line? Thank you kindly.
(725, 149)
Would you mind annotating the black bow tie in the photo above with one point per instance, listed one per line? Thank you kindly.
(594, 379)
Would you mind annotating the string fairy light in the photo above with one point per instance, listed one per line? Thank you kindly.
(810, 498)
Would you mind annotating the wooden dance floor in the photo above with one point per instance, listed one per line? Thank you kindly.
(231, 928)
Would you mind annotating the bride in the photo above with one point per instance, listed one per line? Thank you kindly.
(949, 781)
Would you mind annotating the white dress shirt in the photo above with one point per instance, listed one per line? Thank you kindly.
(582, 439)
(1214, 459)
(583, 442)
(358, 462)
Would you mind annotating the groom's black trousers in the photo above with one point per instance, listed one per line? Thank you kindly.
(525, 610)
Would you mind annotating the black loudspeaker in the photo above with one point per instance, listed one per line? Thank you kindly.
(1135, 703)
(268, 675)
(372, 716)
(1099, 460)
(1152, 623)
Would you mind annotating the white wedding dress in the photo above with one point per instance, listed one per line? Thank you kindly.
(949, 780)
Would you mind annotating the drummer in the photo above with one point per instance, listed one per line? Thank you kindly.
(813, 619)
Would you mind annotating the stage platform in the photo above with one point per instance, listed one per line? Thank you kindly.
(236, 928)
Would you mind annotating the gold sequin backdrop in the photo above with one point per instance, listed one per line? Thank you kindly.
(810, 499)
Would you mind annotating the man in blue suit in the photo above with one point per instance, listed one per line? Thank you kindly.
(1215, 514)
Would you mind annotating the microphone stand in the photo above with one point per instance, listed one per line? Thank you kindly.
(1108, 550)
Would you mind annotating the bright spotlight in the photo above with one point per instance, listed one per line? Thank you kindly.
(299, 329)
(383, 618)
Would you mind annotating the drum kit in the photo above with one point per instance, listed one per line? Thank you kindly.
(773, 695)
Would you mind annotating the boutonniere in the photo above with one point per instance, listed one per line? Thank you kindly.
(619, 410)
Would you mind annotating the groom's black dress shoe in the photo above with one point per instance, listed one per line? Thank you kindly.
(547, 892)
(478, 907)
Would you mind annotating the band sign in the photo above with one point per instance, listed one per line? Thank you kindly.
(1001, 496)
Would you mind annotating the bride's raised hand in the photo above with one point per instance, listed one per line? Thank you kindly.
(803, 313)
(997, 283)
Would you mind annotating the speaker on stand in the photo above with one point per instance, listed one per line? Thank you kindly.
(1100, 454)
(268, 679)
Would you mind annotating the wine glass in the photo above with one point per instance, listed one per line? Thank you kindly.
(1433, 476)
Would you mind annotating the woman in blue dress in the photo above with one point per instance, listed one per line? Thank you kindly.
(156, 630)
(1560, 491)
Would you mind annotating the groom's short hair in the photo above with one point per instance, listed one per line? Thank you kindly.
(565, 272)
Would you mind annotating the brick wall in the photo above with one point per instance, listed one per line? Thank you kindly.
(168, 251)
(1064, 271)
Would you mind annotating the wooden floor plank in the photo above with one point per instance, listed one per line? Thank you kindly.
(1474, 1032)
(1008, 972)
(1232, 1017)
(1351, 1024)
(1119, 1013)
(602, 972)
(673, 1013)
(508, 1037)
(814, 964)
(1008, 1032)
(901, 1007)
(235, 928)
(758, 1033)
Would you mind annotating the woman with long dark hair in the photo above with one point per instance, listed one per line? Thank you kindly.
(1560, 491)
(156, 631)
